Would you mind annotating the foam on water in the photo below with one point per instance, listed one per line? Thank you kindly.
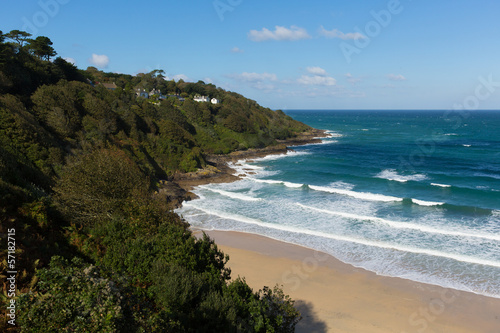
(345, 189)
(427, 203)
(332, 134)
(289, 153)
(323, 142)
(280, 182)
(233, 195)
(405, 225)
(371, 243)
(440, 185)
(244, 168)
(393, 175)
(357, 195)
(342, 185)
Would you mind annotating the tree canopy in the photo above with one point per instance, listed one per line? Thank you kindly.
(81, 166)
(18, 36)
(41, 47)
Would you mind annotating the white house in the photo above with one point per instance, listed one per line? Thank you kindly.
(199, 98)
(215, 101)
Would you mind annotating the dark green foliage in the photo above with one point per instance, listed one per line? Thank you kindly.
(18, 36)
(72, 298)
(97, 185)
(41, 47)
(276, 311)
(29, 153)
(58, 106)
(22, 68)
(70, 72)
(79, 167)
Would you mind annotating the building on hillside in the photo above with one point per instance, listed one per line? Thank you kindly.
(110, 86)
(141, 93)
(199, 98)
(181, 99)
(158, 93)
(214, 101)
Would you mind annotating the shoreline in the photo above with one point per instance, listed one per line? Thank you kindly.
(336, 295)
(386, 300)
(177, 188)
(218, 170)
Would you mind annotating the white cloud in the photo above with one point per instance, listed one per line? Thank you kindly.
(317, 80)
(394, 77)
(335, 33)
(254, 77)
(316, 71)
(180, 77)
(236, 50)
(279, 33)
(100, 61)
(70, 60)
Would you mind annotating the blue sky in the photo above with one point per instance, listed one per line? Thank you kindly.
(406, 54)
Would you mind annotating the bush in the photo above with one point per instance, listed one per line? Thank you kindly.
(97, 185)
(72, 298)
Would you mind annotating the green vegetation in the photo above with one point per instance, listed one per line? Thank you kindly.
(97, 248)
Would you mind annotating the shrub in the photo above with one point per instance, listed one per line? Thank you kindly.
(72, 298)
(97, 185)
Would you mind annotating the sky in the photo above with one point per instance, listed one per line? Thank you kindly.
(315, 54)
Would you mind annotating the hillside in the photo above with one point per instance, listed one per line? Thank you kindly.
(82, 159)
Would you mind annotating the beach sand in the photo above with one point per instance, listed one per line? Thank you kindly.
(336, 297)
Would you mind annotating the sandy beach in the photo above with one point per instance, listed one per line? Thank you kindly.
(336, 297)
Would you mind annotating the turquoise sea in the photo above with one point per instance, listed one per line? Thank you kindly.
(411, 194)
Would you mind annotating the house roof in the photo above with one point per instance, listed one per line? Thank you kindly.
(108, 85)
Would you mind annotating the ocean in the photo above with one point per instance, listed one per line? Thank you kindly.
(410, 194)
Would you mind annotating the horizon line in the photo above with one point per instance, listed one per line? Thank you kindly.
(301, 109)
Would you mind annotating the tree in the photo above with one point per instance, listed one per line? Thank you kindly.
(41, 47)
(58, 107)
(20, 37)
(69, 70)
(157, 73)
(2, 58)
(98, 185)
(73, 298)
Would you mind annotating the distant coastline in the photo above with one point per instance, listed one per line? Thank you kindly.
(178, 189)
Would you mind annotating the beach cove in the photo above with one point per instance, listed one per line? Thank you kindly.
(394, 294)
(333, 296)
